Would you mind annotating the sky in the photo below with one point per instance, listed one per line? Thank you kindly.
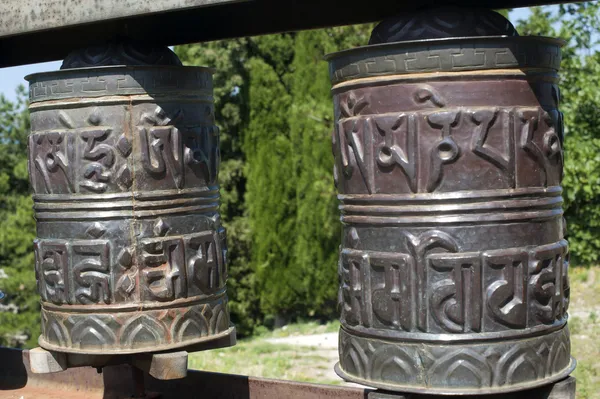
(10, 78)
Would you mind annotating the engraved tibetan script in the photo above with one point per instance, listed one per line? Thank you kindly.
(162, 146)
(51, 157)
(507, 295)
(176, 267)
(163, 262)
(521, 147)
(74, 272)
(205, 263)
(394, 299)
(97, 173)
(400, 145)
(456, 299)
(453, 292)
(549, 284)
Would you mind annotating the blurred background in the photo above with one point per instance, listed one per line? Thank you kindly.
(274, 110)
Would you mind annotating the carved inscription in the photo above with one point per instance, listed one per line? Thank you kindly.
(92, 272)
(174, 267)
(535, 125)
(419, 248)
(503, 159)
(79, 159)
(400, 145)
(455, 299)
(356, 287)
(175, 154)
(355, 150)
(163, 268)
(393, 299)
(101, 156)
(444, 151)
(52, 269)
(162, 146)
(201, 152)
(507, 296)
(74, 272)
(88, 156)
(548, 267)
(354, 138)
(416, 147)
(436, 288)
(51, 154)
(205, 264)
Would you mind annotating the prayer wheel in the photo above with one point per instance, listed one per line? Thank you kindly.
(448, 149)
(130, 254)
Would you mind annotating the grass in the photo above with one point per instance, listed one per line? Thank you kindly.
(257, 357)
(585, 329)
(304, 328)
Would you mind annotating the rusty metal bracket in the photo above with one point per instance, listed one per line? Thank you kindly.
(162, 366)
(169, 365)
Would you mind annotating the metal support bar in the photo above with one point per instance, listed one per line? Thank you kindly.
(17, 380)
(53, 33)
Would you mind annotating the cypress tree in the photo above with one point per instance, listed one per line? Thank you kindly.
(316, 224)
(271, 184)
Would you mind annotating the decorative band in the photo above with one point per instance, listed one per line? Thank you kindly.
(450, 207)
(135, 331)
(452, 197)
(433, 218)
(61, 104)
(123, 205)
(135, 307)
(486, 75)
(131, 213)
(447, 338)
(192, 341)
(109, 81)
(445, 55)
(210, 192)
(433, 287)
(455, 207)
(482, 368)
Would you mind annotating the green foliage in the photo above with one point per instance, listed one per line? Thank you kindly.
(271, 192)
(579, 25)
(19, 311)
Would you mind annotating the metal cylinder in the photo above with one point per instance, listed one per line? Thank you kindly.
(130, 253)
(453, 264)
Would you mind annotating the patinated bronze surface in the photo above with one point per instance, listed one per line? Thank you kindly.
(453, 266)
(123, 162)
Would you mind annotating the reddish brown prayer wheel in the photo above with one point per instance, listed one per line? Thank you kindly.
(448, 160)
(130, 254)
